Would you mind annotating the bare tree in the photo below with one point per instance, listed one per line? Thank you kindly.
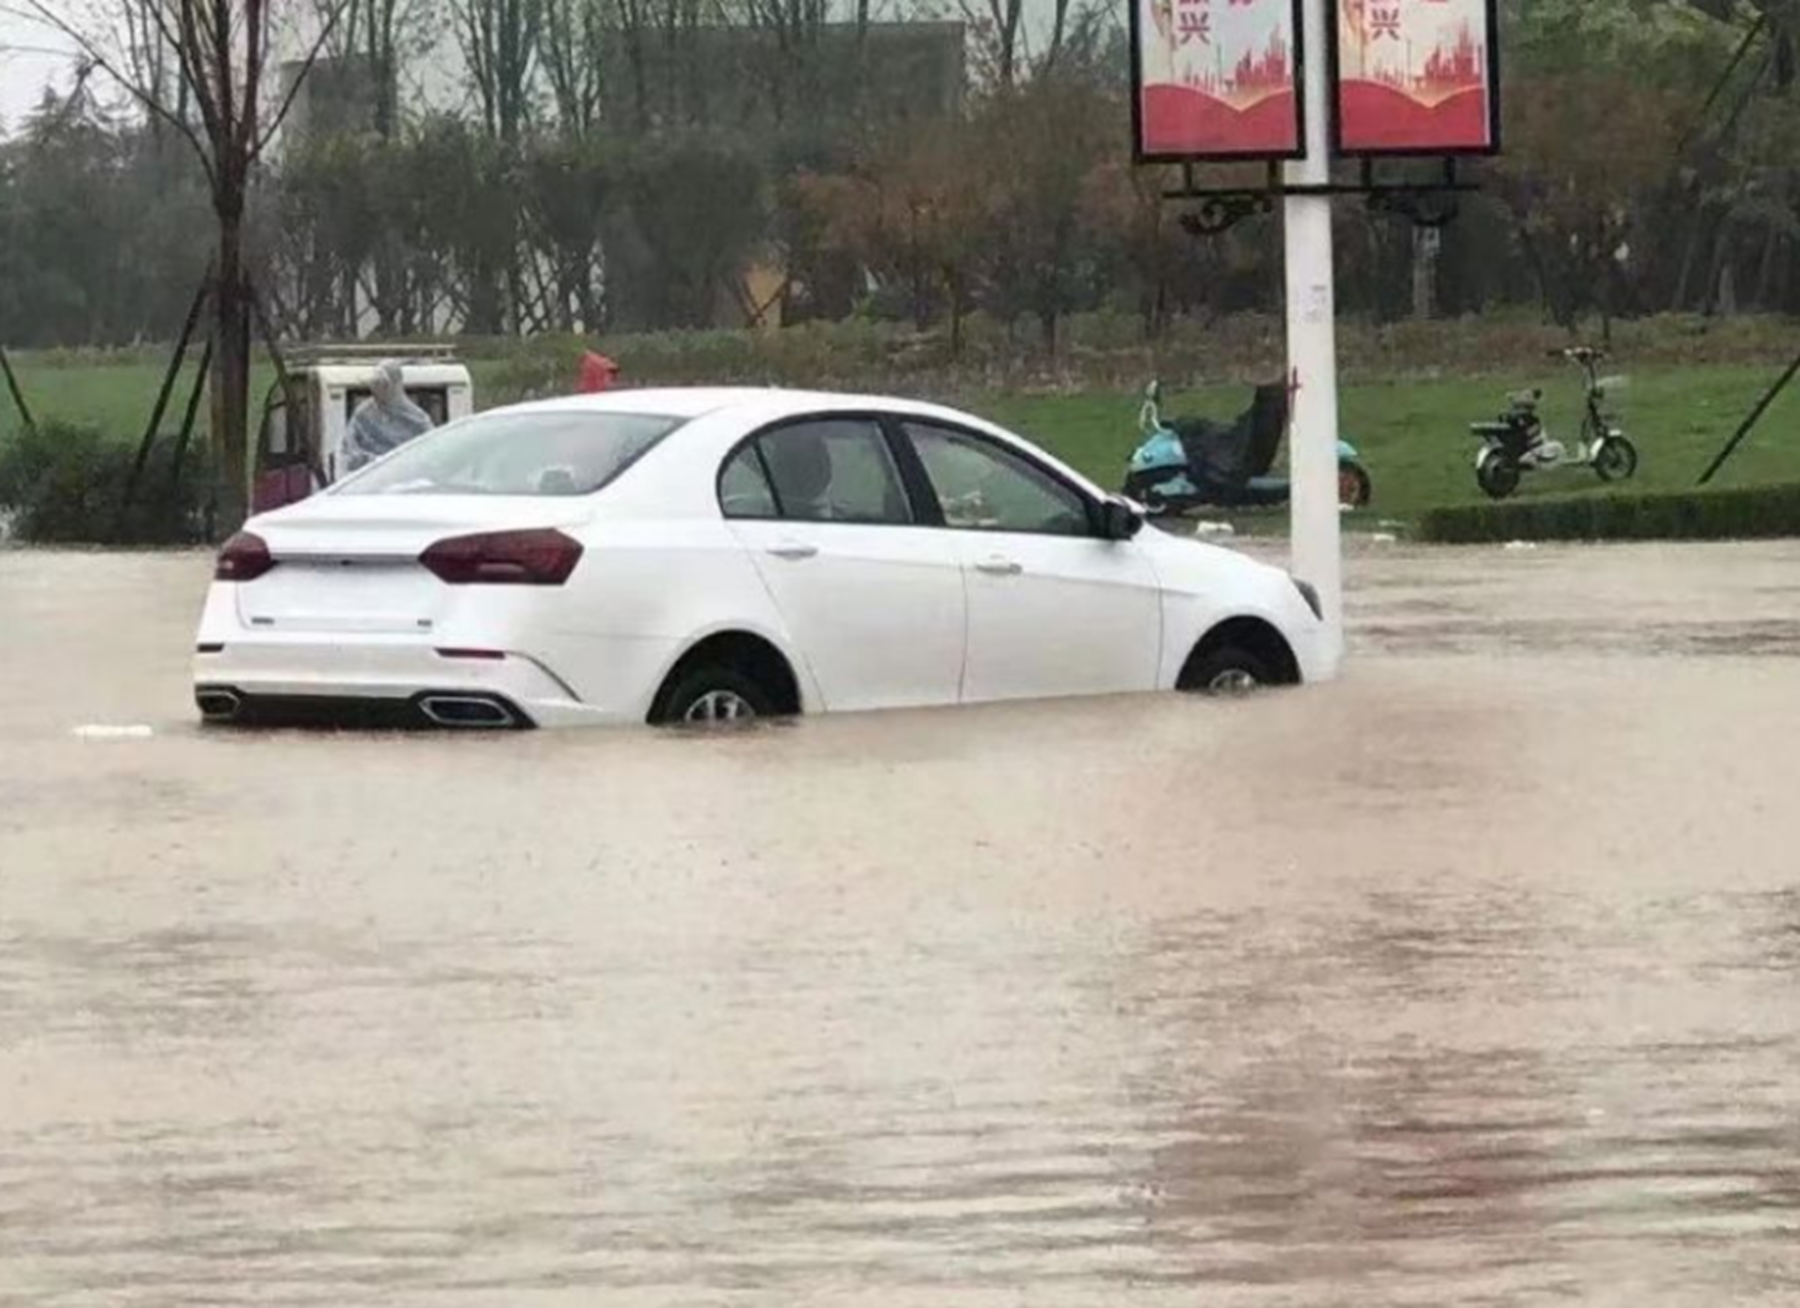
(998, 25)
(379, 34)
(153, 62)
(573, 46)
(500, 41)
(222, 50)
(795, 26)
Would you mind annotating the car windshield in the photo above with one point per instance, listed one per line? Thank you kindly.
(512, 453)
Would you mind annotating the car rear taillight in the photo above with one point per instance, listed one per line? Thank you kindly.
(245, 557)
(542, 557)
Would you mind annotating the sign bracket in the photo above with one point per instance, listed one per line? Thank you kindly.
(1430, 203)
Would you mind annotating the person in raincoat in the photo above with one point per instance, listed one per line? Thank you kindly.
(385, 421)
(597, 373)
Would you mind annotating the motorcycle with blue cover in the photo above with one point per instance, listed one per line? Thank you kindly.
(1186, 463)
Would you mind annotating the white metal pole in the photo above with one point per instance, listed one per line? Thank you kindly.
(1312, 343)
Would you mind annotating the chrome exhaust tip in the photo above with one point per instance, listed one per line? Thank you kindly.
(217, 704)
(466, 712)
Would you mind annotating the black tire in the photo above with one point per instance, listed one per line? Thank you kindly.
(684, 695)
(1227, 670)
(1498, 475)
(1143, 489)
(1354, 487)
(1616, 459)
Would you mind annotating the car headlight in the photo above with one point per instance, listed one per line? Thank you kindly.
(1310, 594)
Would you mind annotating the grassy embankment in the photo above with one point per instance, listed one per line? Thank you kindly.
(1408, 393)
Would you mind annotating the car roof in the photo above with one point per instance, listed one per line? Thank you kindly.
(762, 402)
(758, 406)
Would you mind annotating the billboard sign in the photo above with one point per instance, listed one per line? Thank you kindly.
(1416, 77)
(1216, 80)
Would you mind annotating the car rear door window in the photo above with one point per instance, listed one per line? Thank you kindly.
(744, 487)
(982, 487)
(833, 470)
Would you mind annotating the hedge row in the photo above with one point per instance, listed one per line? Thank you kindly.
(64, 484)
(1740, 514)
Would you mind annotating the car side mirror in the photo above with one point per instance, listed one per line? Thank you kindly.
(1119, 520)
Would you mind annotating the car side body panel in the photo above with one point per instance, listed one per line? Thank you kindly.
(349, 611)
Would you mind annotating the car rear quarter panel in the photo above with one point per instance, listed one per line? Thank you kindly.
(647, 591)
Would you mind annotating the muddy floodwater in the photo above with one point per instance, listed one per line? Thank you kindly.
(1473, 978)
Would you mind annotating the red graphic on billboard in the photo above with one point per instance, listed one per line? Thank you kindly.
(1215, 79)
(1415, 76)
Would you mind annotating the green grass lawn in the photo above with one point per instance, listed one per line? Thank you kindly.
(1413, 434)
(1414, 437)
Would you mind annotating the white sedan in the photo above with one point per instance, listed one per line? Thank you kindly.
(694, 555)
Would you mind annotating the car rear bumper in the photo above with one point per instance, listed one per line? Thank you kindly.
(392, 683)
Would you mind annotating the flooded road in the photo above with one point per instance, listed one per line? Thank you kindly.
(1471, 979)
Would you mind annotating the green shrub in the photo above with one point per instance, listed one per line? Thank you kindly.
(1741, 514)
(64, 484)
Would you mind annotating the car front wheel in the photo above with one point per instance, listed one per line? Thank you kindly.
(1228, 670)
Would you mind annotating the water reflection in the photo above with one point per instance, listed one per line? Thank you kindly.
(1465, 981)
(1338, 1100)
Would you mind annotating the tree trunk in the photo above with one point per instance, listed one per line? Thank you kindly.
(390, 286)
(230, 379)
(485, 301)
(1720, 296)
(1689, 258)
(959, 309)
(1765, 270)
(1559, 306)
(593, 303)
(1425, 245)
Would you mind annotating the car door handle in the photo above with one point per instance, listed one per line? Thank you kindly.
(793, 549)
(999, 567)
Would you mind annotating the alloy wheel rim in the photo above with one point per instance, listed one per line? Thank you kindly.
(719, 706)
(1232, 681)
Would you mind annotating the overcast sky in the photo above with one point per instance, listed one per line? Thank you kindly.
(29, 60)
(25, 67)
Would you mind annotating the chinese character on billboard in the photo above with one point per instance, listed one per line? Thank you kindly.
(1216, 79)
(1416, 77)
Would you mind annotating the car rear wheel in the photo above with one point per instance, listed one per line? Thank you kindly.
(710, 697)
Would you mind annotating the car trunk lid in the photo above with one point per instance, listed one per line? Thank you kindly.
(350, 565)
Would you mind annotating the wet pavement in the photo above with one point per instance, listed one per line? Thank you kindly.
(1473, 978)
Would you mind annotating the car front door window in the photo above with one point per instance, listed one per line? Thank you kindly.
(1053, 608)
(982, 487)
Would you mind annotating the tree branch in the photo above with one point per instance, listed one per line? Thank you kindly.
(38, 11)
(276, 119)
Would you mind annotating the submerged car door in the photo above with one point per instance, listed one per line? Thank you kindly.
(873, 601)
(1053, 608)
